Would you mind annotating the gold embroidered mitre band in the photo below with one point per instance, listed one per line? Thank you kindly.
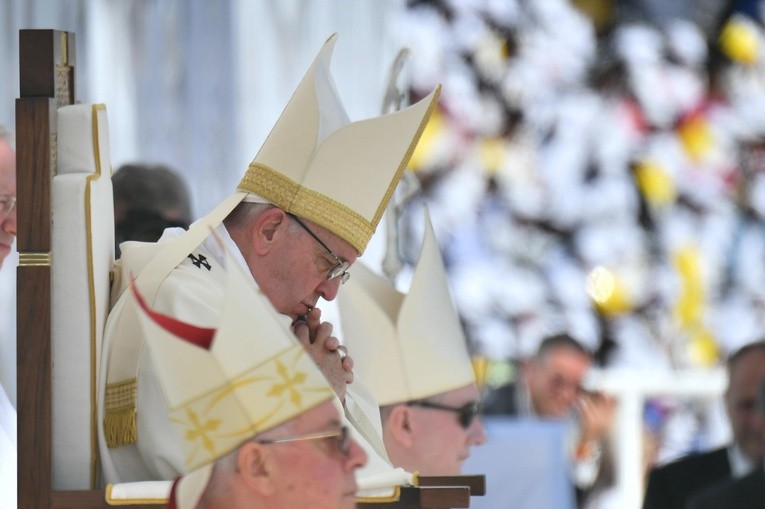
(339, 174)
(224, 385)
(406, 347)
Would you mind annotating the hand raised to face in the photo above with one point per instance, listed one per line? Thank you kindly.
(325, 349)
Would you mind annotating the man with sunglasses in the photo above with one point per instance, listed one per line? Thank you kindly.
(261, 427)
(551, 387)
(303, 212)
(413, 355)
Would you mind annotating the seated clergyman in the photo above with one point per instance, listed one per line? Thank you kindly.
(412, 353)
(261, 426)
(305, 209)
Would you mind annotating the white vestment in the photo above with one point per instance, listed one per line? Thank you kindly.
(7, 452)
(193, 293)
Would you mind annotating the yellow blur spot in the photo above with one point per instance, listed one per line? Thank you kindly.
(702, 348)
(607, 291)
(738, 40)
(492, 155)
(423, 153)
(690, 308)
(655, 184)
(480, 369)
(690, 304)
(696, 137)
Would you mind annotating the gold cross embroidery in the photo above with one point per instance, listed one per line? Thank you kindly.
(289, 384)
(199, 430)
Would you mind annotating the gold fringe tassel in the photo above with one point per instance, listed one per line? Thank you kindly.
(120, 428)
(120, 423)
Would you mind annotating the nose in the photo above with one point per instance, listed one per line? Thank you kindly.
(477, 432)
(328, 289)
(8, 223)
(356, 458)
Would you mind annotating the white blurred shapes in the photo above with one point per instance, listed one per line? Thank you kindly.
(566, 157)
(756, 191)
(518, 178)
(468, 30)
(618, 137)
(496, 338)
(568, 33)
(457, 196)
(490, 57)
(610, 243)
(568, 282)
(425, 32)
(641, 48)
(582, 324)
(686, 41)
(504, 12)
(611, 198)
(637, 344)
(735, 322)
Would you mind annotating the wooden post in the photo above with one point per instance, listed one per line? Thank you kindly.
(46, 80)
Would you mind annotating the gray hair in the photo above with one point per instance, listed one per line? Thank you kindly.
(246, 212)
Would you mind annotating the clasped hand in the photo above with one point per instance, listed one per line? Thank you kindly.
(325, 349)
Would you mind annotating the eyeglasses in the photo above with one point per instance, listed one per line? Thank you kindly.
(7, 203)
(342, 438)
(465, 413)
(338, 271)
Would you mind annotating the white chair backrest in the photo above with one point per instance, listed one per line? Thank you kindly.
(82, 256)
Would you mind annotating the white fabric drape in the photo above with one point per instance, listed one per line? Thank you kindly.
(7, 452)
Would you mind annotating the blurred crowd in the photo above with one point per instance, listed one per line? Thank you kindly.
(596, 175)
(603, 179)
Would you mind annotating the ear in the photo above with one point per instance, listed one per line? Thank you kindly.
(401, 425)
(266, 230)
(254, 465)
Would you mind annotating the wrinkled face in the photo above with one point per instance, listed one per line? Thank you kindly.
(555, 381)
(747, 422)
(297, 271)
(440, 444)
(315, 473)
(7, 188)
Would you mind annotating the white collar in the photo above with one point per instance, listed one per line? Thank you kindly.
(212, 246)
(740, 465)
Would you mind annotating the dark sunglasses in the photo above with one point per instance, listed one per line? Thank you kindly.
(465, 413)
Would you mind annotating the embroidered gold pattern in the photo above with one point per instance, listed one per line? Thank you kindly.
(322, 210)
(289, 384)
(217, 423)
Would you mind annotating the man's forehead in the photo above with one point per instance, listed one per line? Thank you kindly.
(748, 371)
(323, 415)
(565, 355)
(466, 392)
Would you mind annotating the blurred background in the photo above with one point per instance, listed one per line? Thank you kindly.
(595, 167)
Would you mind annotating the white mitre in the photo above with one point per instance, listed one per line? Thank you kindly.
(222, 386)
(319, 165)
(406, 347)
